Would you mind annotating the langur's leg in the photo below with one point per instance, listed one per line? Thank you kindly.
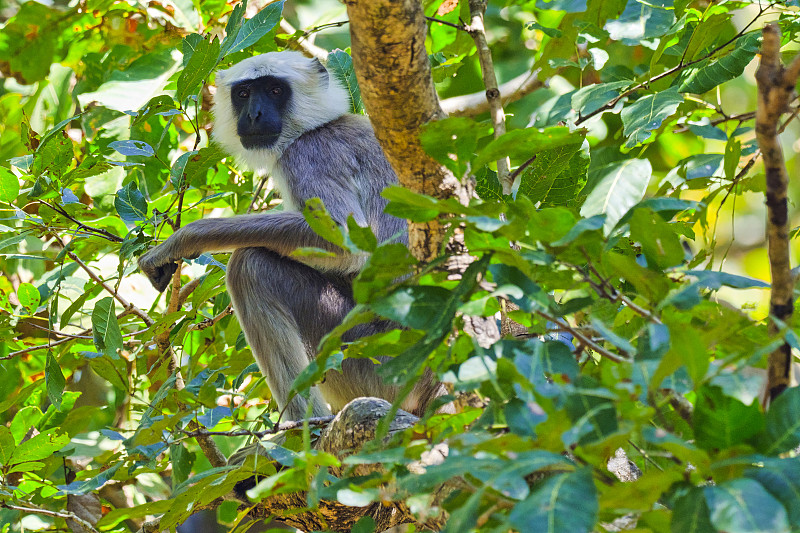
(263, 285)
(285, 308)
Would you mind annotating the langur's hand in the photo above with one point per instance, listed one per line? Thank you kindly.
(158, 266)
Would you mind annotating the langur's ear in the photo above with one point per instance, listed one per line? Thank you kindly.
(324, 78)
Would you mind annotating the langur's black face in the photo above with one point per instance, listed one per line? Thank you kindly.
(260, 105)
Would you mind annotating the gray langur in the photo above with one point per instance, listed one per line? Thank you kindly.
(283, 113)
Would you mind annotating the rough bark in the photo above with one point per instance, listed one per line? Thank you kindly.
(393, 71)
(775, 90)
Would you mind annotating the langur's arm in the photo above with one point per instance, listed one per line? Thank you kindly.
(282, 232)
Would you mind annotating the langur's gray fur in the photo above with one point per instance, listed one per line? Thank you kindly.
(286, 306)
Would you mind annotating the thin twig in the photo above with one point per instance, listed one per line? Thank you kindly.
(94, 231)
(81, 335)
(209, 322)
(187, 290)
(125, 303)
(66, 515)
(257, 193)
(607, 290)
(578, 334)
(674, 70)
(741, 117)
(304, 44)
(461, 27)
(520, 168)
(739, 175)
(283, 426)
(477, 9)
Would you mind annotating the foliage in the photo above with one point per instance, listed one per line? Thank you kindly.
(627, 162)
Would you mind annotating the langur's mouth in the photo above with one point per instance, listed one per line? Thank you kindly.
(258, 140)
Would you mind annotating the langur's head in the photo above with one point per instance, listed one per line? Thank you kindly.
(265, 102)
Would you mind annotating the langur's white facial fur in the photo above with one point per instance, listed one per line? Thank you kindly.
(316, 99)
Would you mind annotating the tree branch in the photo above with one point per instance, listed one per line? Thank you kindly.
(775, 89)
(55, 514)
(113, 292)
(469, 105)
(477, 9)
(304, 44)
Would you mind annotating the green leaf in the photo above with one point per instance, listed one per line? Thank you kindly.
(366, 524)
(181, 464)
(179, 167)
(721, 421)
(616, 188)
(139, 511)
(203, 61)
(712, 72)
(26, 419)
(404, 203)
(130, 203)
(9, 185)
(519, 288)
(706, 33)
(55, 380)
(592, 413)
(7, 445)
(161, 105)
(733, 152)
(407, 365)
(538, 179)
(40, 446)
(584, 225)
(714, 280)
(138, 84)
(783, 424)
(413, 307)
(107, 335)
(29, 297)
(257, 27)
(524, 144)
(452, 141)
(85, 486)
(564, 502)
(593, 97)
(647, 113)
(198, 164)
(132, 148)
(781, 478)
(690, 512)
(232, 28)
(744, 506)
(567, 186)
(523, 417)
(660, 243)
(362, 236)
(322, 223)
(487, 186)
(53, 157)
(340, 64)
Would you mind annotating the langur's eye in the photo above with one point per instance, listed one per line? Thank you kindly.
(243, 93)
(277, 91)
